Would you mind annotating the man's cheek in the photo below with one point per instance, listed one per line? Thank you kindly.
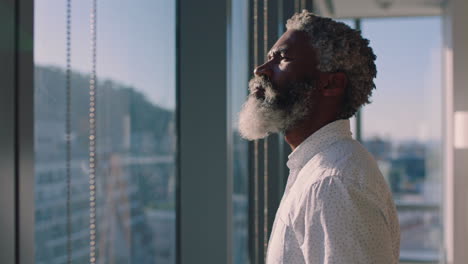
(286, 69)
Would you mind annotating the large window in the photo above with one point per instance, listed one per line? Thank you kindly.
(131, 151)
(402, 126)
(107, 122)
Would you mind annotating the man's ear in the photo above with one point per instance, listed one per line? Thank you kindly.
(333, 84)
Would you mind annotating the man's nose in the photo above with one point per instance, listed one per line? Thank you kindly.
(263, 70)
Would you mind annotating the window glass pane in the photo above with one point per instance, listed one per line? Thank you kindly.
(135, 126)
(402, 127)
(238, 78)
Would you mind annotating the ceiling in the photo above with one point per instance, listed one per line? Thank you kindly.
(378, 8)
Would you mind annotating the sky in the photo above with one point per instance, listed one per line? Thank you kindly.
(136, 46)
(135, 42)
(406, 104)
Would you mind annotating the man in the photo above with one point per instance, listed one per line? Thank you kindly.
(336, 207)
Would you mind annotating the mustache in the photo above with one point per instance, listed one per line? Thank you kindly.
(260, 83)
(266, 88)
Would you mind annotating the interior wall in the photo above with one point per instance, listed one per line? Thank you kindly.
(456, 99)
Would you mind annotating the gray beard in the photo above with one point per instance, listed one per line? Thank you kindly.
(275, 113)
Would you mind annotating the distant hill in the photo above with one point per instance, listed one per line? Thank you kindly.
(120, 109)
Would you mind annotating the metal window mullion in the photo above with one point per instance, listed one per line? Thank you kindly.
(357, 26)
(25, 134)
(253, 225)
(7, 132)
(257, 162)
(205, 207)
(16, 135)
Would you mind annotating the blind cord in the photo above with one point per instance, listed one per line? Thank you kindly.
(68, 131)
(256, 187)
(92, 137)
(265, 142)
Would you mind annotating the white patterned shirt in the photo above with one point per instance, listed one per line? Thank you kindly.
(337, 207)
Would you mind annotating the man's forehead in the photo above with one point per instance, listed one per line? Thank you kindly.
(290, 41)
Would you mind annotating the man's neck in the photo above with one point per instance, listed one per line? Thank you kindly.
(296, 135)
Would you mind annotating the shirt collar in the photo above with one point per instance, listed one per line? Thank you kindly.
(319, 140)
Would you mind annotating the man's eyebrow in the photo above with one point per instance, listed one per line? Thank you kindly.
(278, 51)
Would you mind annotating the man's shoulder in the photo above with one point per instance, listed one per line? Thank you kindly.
(326, 179)
(347, 163)
(346, 157)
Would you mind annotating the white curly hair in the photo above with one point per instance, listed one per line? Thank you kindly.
(340, 48)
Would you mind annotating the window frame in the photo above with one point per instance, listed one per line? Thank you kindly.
(17, 140)
(205, 201)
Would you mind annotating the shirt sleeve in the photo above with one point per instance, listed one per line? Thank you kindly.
(340, 223)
